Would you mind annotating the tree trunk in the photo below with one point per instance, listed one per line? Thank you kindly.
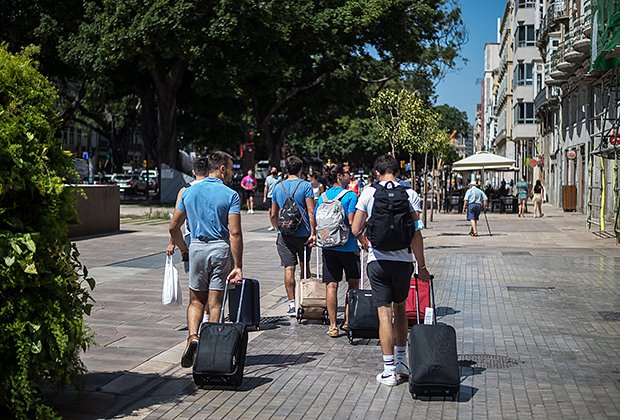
(425, 183)
(433, 190)
(148, 119)
(167, 86)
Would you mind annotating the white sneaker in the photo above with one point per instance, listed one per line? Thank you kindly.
(401, 369)
(251, 211)
(270, 228)
(388, 380)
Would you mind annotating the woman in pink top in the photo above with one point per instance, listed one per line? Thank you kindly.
(248, 183)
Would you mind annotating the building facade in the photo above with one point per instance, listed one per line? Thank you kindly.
(578, 107)
(503, 144)
(488, 123)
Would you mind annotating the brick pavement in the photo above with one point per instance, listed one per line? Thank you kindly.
(536, 309)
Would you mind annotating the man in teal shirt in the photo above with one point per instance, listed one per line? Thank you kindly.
(344, 257)
(523, 189)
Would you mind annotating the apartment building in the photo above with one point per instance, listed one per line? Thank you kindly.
(488, 123)
(502, 92)
(578, 107)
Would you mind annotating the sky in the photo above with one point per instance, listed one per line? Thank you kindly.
(461, 87)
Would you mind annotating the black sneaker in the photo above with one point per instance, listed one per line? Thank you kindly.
(187, 360)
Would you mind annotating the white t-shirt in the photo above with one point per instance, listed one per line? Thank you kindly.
(186, 224)
(366, 202)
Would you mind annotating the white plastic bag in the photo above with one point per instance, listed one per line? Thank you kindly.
(171, 293)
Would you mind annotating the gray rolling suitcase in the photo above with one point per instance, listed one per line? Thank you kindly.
(433, 360)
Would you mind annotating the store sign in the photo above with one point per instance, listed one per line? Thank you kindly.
(571, 154)
(533, 163)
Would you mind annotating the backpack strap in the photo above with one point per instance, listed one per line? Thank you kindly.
(340, 194)
(324, 197)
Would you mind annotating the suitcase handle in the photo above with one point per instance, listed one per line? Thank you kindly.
(417, 298)
(225, 298)
(362, 268)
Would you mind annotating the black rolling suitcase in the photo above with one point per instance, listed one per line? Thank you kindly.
(220, 357)
(433, 361)
(363, 316)
(249, 312)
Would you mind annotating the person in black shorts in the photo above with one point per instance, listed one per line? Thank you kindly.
(390, 271)
(344, 258)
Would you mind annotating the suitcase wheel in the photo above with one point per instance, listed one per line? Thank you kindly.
(350, 336)
(300, 315)
(325, 317)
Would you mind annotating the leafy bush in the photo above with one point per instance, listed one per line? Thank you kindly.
(43, 291)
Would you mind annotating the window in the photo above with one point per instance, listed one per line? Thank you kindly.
(524, 113)
(526, 36)
(526, 3)
(523, 74)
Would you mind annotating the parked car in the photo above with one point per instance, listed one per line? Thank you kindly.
(128, 183)
(153, 176)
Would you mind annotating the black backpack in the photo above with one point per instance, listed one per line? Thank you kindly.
(290, 217)
(390, 227)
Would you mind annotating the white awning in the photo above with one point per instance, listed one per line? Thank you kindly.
(484, 161)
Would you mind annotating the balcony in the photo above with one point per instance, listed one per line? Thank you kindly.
(556, 13)
(547, 97)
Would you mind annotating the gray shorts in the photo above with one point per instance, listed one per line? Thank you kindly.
(210, 263)
(291, 249)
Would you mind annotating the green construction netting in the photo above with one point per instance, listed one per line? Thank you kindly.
(606, 22)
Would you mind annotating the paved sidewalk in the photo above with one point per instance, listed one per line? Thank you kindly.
(536, 308)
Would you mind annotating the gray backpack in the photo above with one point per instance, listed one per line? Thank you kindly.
(331, 226)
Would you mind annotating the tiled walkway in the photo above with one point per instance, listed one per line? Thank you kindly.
(536, 308)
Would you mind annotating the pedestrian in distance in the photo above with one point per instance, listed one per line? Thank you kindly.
(215, 252)
(292, 210)
(389, 213)
(200, 170)
(342, 258)
(475, 200)
(317, 187)
(249, 184)
(270, 182)
(522, 193)
(537, 198)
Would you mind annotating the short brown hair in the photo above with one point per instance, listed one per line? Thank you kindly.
(294, 165)
(217, 159)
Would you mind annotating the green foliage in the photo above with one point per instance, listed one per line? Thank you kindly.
(404, 120)
(452, 119)
(42, 300)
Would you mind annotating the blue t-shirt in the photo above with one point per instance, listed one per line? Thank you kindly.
(207, 206)
(304, 191)
(349, 201)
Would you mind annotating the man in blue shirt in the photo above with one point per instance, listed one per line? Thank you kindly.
(213, 214)
(344, 257)
(475, 200)
(291, 245)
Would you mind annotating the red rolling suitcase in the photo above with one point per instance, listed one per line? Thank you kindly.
(411, 305)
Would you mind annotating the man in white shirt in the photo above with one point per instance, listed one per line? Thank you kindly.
(392, 243)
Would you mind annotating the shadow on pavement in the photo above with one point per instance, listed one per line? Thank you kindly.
(102, 235)
(468, 369)
(466, 393)
(109, 394)
(280, 360)
(446, 310)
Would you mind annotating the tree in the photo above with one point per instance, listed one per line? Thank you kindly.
(292, 51)
(42, 296)
(145, 46)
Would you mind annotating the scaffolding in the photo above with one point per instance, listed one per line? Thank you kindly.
(604, 156)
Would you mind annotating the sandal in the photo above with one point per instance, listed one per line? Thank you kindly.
(344, 326)
(187, 360)
(333, 332)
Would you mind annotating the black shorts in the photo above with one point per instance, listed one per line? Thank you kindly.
(248, 194)
(389, 281)
(291, 249)
(268, 202)
(335, 262)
